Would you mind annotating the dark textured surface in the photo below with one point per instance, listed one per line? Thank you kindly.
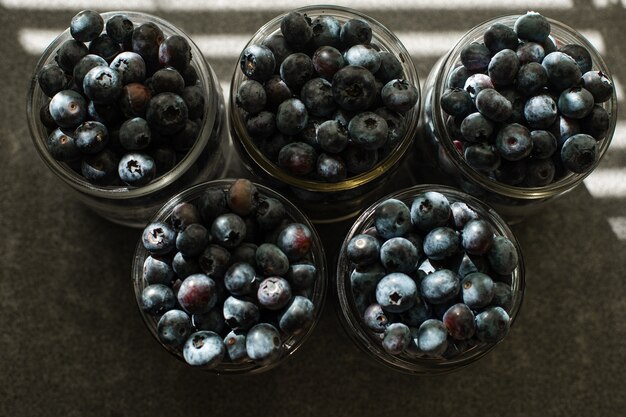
(73, 344)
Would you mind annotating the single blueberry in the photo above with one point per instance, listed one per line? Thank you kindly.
(397, 338)
(475, 56)
(204, 348)
(175, 52)
(274, 293)
(157, 270)
(399, 255)
(120, 28)
(540, 172)
(355, 31)
(575, 102)
(214, 261)
(133, 102)
(563, 71)
(52, 79)
(596, 123)
(332, 136)
(396, 292)
(296, 28)
(354, 88)
(532, 27)
(514, 142)
(297, 316)
(368, 130)
(295, 241)
(69, 54)
(105, 47)
(301, 275)
(502, 256)
(197, 294)
(499, 37)
(456, 102)
(461, 214)
(185, 266)
(432, 337)
(62, 146)
(174, 327)
(235, 343)
(242, 197)
(477, 237)
(291, 117)
(503, 67)
(327, 61)
(430, 210)
(492, 325)
(317, 96)
(440, 286)
(158, 238)
(102, 84)
(297, 158)
(100, 168)
(271, 260)
(477, 290)
(392, 218)
(441, 243)
(145, 41)
(363, 56)
(476, 127)
(167, 80)
(326, 31)
(296, 70)
(136, 169)
(540, 111)
(228, 230)
(579, 153)
(263, 344)
(257, 62)
(68, 108)
(493, 105)
(399, 96)
(167, 113)
(390, 67)
(531, 78)
(459, 321)
(458, 76)
(192, 240)
(156, 299)
(86, 25)
(599, 85)
(580, 54)
(476, 83)
(279, 47)
(363, 250)
(544, 144)
(375, 318)
(240, 314)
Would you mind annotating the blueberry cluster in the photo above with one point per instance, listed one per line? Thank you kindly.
(230, 276)
(320, 100)
(523, 111)
(125, 108)
(432, 280)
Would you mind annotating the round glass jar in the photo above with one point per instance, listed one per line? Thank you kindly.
(317, 293)
(512, 202)
(351, 317)
(327, 202)
(129, 205)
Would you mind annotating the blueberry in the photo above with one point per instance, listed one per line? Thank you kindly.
(433, 337)
(69, 54)
(579, 153)
(105, 47)
(575, 102)
(499, 37)
(368, 130)
(86, 25)
(263, 344)
(83, 66)
(228, 230)
(62, 146)
(197, 294)
(531, 78)
(599, 85)
(476, 83)
(240, 314)
(68, 108)
(157, 270)
(279, 47)
(158, 238)
(502, 295)
(167, 80)
(512, 172)
(235, 343)
(532, 27)
(204, 348)
(429, 210)
(145, 41)
(363, 279)
(563, 71)
(514, 142)
(184, 215)
(518, 101)
(91, 137)
(492, 325)
(136, 169)
(214, 261)
(211, 204)
(502, 256)
(156, 299)
(291, 117)
(396, 126)
(456, 102)
(296, 28)
(301, 275)
(441, 243)
(257, 62)
(440, 286)
(102, 84)
(327, 61)
(270, 213)
(326, 31)
(530, 52)
(392, 218)
(295, 241)
(274, 293)
(564, 128)
(580, 54)
(458, 77)
(396, 292)
(375, 318)
(174, 327)
(475, 57)
(192, 240)
(359, 160)
(297, 158)
(276, 91)
(390, 67)
(354, 88)
(459, 321)
(317, 96)
(503, 67)
(167, 113)
(296, 70)
(476, 127)
(120, 28)
(363, 250)
(596, 123)
(399, 96)
(482, 157)
(251, 96)
(240, 279)
(397, 338)
(477, 290)
(399, 255)
(355, 31)
(297, 316)
(185, 266)
(540, 111)
(175, 52)
(242, 197)
(540, 172)
(100, 168)
(245, 253)
(134, 100)
(332, 136)
(493, 105)
(271, 260)
(416, 315)
(364, 56)
(261, 125)
(477, 237)
(461, 214)
(190, 75)
(52, 79)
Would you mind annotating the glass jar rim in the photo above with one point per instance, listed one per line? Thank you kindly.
(347, 307)
(239, 131)
(76, 181)
(531, 193)
(318, 293)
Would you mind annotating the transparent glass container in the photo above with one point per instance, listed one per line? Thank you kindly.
(327, 202)
(437, 147)
(317, 294)
(127, 205)
(371, 342)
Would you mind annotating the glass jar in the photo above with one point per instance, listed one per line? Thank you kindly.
(317, 293)
(127, 205)
(371, 342)
(438, 149)
(327, 202)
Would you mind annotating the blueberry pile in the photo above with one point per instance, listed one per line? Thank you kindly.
(432, 280)
(320, 100)
(523, 111)
(126, 107)
(230, 277)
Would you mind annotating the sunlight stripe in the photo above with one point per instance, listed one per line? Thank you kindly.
(619, 137)
(606, 3)
(281, 5)
(618, 225)
(595, 38)
(607, 182)
(35, 41)
(619, 91)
